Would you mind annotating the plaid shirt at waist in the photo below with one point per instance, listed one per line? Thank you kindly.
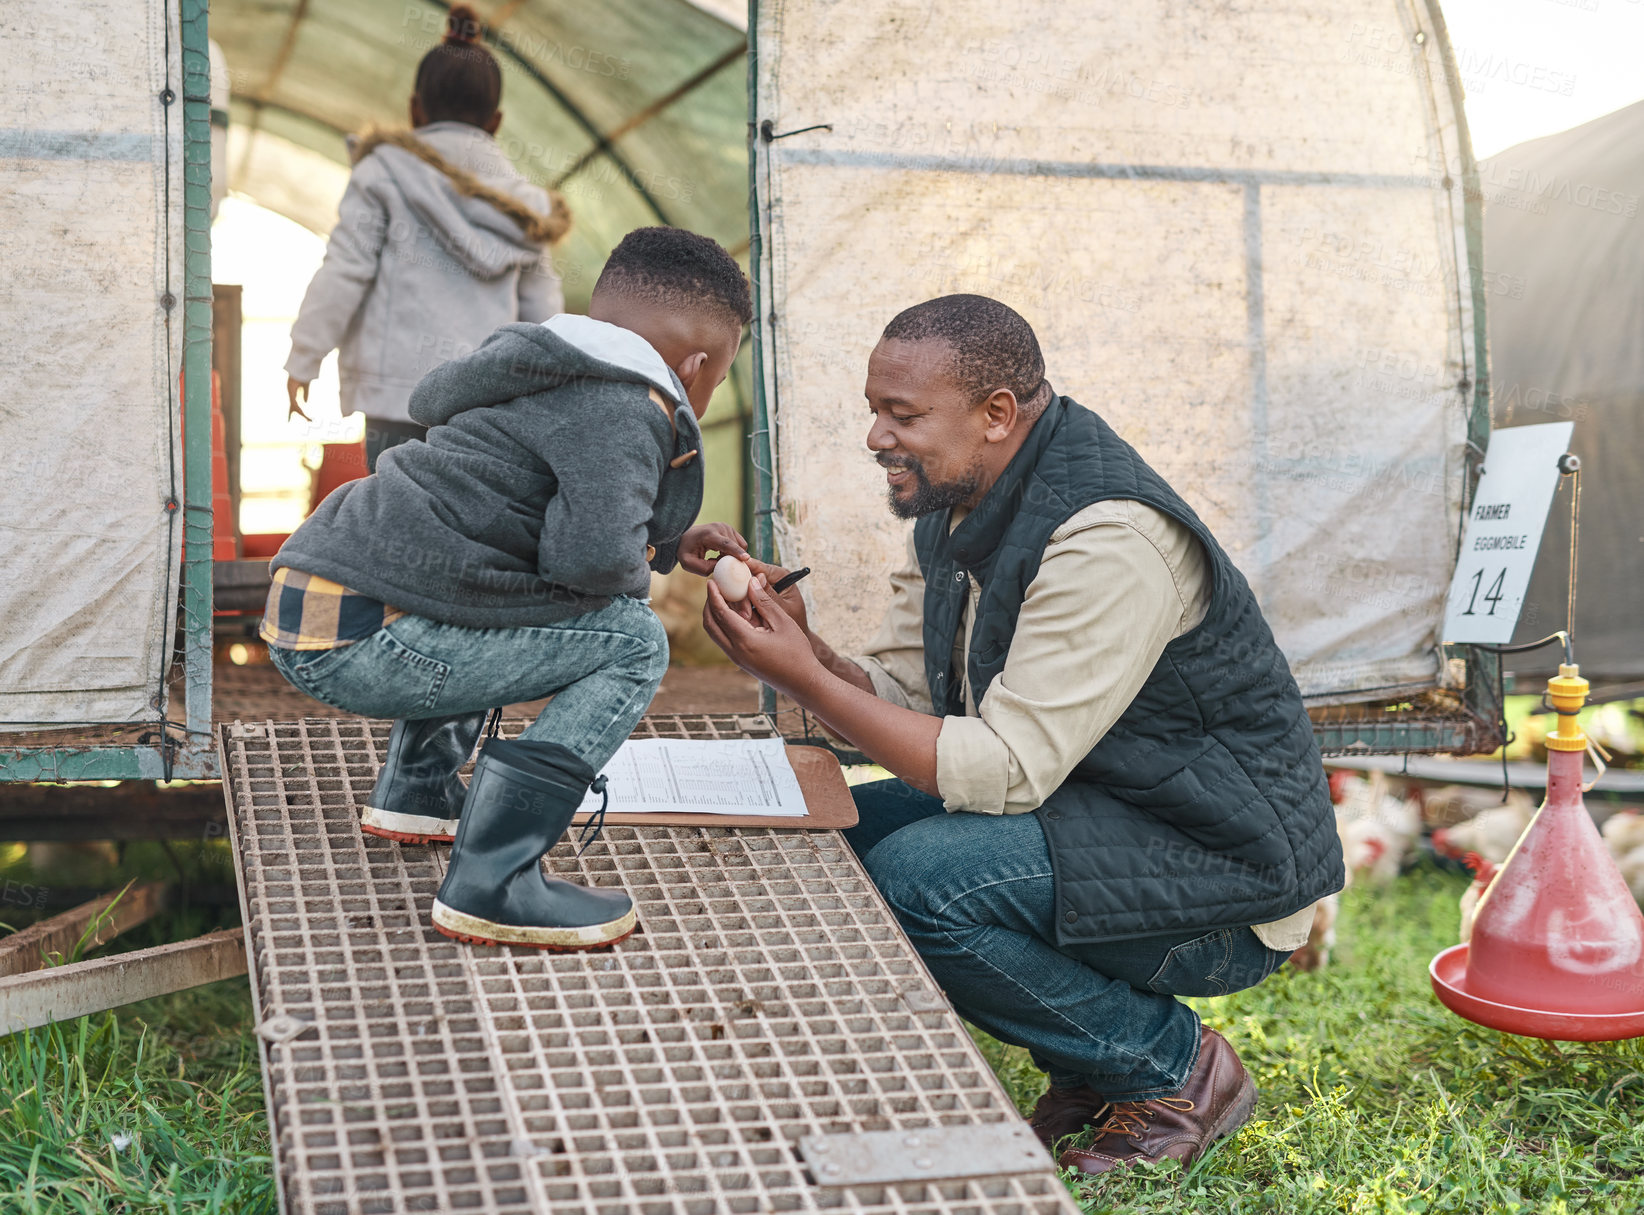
(307, 612)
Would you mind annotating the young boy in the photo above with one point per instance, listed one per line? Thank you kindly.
(507, 557)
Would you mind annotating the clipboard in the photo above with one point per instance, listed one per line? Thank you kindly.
(828, 802)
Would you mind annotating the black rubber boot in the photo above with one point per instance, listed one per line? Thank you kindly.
(520, 802)
(418, 795)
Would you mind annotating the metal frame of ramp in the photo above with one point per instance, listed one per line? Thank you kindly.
(770, 1011)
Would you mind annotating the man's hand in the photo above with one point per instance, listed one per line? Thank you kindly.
(296, 392)
(791, 600)
(705, 538)
(769, 646)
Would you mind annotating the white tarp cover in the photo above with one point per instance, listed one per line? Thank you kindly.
(91, 202)
(1237, 230)
(1566, 271)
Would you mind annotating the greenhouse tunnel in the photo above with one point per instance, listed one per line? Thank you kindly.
(635, 113)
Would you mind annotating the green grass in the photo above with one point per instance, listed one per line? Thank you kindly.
(157, 1107)
(1376, 1099)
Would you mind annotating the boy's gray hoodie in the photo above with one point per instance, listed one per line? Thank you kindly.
(558, 453)
(415, 273)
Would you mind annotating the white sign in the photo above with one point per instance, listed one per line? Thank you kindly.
(1504, 531)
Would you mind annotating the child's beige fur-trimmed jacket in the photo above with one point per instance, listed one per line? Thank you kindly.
(439, 240)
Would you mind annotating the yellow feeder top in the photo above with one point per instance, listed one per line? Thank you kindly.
(1568, 693)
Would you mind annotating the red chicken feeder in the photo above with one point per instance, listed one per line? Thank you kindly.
(1557, 947)
(1449, 974)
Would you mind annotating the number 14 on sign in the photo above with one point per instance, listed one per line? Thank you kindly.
(1492, 597)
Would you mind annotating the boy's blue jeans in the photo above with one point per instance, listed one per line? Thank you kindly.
(601, 668)
(974, 893)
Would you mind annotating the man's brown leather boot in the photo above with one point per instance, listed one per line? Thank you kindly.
(1065, 1111)
(1217, 1100)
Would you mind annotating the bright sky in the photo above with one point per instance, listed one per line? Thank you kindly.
(1533, 67)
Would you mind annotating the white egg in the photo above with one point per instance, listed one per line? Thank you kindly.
(732, 576)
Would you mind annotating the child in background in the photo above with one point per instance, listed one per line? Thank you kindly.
(438, 241)
(508, 558)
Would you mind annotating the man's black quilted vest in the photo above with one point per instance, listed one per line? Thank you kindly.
(1205, 806)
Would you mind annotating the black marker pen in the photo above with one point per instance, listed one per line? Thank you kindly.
(783, 584)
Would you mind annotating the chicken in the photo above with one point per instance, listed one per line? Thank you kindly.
(1377, 829)
(1624, 835)
(1490, 833)
(1315, 955)
(1623, 831)
(1451, 804)
(1341, 780)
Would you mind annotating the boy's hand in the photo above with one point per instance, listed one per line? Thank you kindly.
(296, 392)
(705, 538)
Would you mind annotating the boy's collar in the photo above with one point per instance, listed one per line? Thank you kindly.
(618, 346)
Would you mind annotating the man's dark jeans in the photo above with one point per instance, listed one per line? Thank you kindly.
(975, 894)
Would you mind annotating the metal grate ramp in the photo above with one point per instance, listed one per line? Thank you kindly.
(768, 999)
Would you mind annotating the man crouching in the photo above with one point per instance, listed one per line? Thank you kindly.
(1108, 791)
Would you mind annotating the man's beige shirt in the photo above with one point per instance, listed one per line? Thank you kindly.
(1118, 582)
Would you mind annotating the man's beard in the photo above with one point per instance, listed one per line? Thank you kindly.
(927, 498)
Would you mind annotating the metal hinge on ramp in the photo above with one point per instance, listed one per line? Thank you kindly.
(938, 1153)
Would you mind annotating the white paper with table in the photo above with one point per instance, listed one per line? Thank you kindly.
(733, 777)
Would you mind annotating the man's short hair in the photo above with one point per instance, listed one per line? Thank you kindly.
(678, 269)
(992, 346)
